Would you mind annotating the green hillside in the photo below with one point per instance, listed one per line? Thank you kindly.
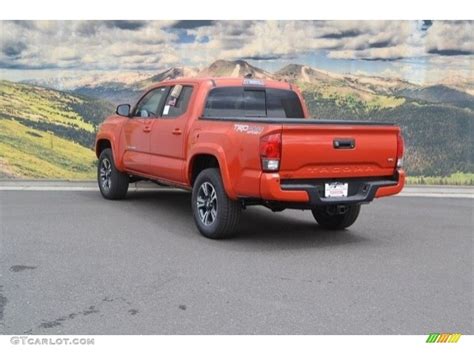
(46, 133)
(336, 98)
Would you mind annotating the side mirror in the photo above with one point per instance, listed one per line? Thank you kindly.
(123, 110)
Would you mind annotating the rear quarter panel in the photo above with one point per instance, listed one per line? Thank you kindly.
(237, 152)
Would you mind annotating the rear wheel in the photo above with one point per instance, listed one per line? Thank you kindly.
(215, 214)
(329, 217)
(113, 184)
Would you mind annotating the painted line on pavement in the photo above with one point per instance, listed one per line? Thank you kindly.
(447, 194)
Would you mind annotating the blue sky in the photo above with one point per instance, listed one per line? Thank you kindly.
(418, 51)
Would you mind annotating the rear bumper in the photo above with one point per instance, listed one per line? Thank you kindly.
(311, 192)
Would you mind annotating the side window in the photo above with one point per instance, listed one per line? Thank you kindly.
(151, 103)
(177, 101)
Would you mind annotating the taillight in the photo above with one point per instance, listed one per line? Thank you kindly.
(400, 150)
(270, 152)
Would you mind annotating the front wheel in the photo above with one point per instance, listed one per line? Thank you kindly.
(215, 214)
(329, 217)
(113, 184)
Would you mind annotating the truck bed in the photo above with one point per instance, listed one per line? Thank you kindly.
(317, 148)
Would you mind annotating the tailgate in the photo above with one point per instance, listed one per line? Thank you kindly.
(334, 151)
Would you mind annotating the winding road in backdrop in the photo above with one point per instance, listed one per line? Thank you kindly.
(74, 263)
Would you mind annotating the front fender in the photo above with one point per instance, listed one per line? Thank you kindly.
(114, 143)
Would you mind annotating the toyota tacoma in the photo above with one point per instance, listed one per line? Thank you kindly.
(237, 142)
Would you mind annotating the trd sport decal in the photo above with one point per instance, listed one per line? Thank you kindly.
(245, 128)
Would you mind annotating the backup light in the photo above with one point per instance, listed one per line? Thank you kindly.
(270, 152)
(400, 150)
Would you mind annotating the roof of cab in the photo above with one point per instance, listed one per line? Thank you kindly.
(230, 81)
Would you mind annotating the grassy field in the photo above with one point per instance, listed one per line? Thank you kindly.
(351, 99)
(41, 105)
(47, 134)
(30, 153)
(458, 178)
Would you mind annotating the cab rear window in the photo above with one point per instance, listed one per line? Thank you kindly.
(252, 102)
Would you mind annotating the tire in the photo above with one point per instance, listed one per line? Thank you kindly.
(209, 196)
(113, 184)
(328, 220)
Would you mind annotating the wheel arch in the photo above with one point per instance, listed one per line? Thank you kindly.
(198, 163)
(210, 158)
(101, 145)
(105, 141)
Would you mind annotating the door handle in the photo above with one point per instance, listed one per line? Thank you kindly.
(343, 143)
(177, 132)
(147, 129)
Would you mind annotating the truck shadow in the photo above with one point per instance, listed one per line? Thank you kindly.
(259, 227)
(262, 228)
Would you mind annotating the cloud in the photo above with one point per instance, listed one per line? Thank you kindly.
(450, 38)
(341, 34)
(89, 45)
(261, 39)
(365, 40)
(25, 66)
(380, 44)
(126, 24)
(450, 52)
(191, 24)
(152, 45)
(395, 40)
(379, 40)
(392, 53)
(262, 57)
(426, 24)
(13, 49)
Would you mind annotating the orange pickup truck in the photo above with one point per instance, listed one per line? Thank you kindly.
(237, 142)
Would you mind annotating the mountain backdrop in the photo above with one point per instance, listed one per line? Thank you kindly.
(48, 127)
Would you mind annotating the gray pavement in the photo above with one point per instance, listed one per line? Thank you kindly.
(74, 263)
